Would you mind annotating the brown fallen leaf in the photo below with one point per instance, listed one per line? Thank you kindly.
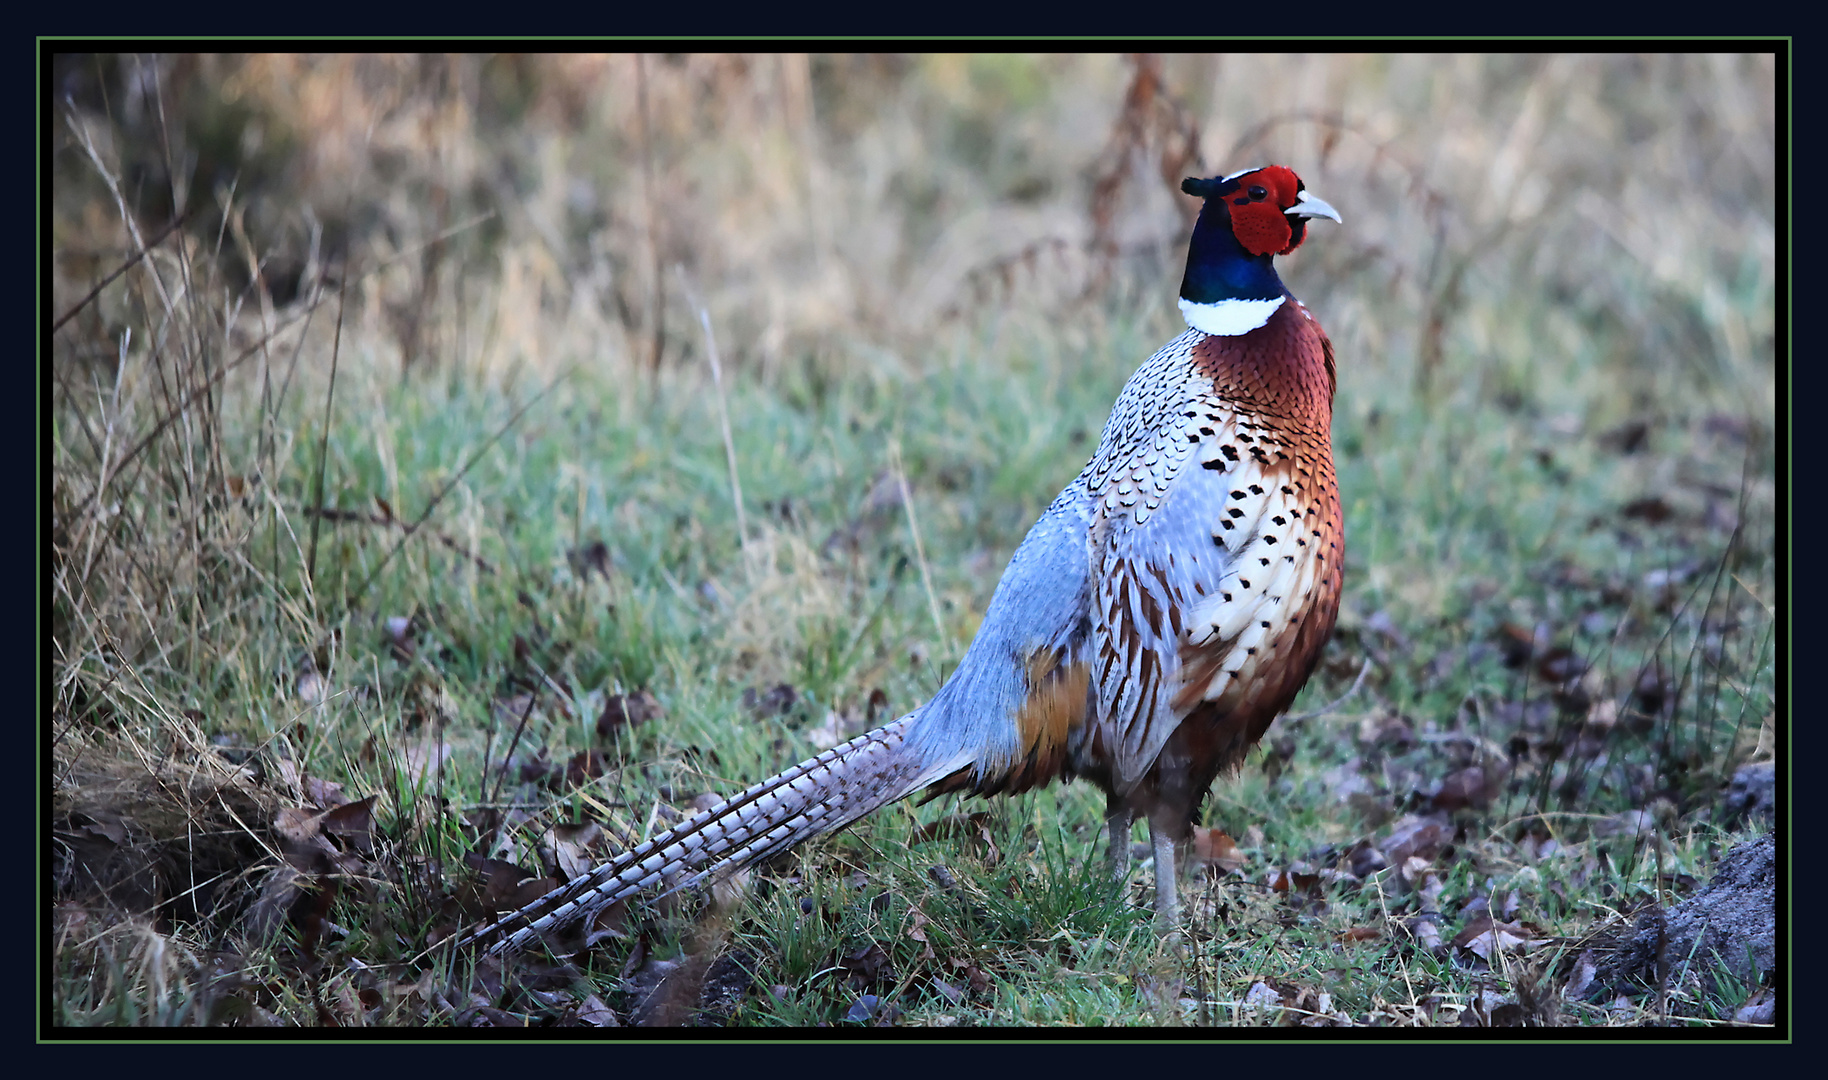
(573, 850)
(1516, 643)
(1422, 837)
(1650, 508)
(505, 886)
(1484, 937)
(352, 823)
(592, 557)
(867, 967)
(1560, 665)
(1473, 786)
(611, 922)
(323, 794)
(1364, 859)
(777, 701)
(1216, 848)
(585, 766)
(591, 1012)
(1418, 873)
(627, 711)
(834, 729)
(423, 758)
(953, 825)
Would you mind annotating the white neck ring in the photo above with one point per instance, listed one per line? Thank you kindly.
(1229, 318)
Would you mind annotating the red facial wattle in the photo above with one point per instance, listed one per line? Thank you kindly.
(1261, 224)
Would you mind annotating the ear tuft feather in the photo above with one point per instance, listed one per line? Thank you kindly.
(1209, 187)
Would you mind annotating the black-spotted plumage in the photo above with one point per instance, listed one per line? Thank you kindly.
(1166, 607)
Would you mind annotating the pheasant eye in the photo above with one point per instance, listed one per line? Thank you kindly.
(1258, 191)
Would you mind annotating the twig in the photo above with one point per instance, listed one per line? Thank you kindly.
(723, 408)
(533, 696)
(452, 482)
(251, 351)
(323, 446)
(332, 514)
(157, 239)
(653, 223)
(920, 555)
(1341, 700)
(178, 410)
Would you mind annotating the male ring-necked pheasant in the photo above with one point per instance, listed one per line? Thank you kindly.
(1166, 607)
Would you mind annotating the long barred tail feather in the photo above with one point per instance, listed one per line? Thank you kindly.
(819, 795)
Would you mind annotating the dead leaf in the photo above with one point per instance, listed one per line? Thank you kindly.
(399, 637)
(353, 824)
(1414, 836)
(665, 993)
(113, 830)
(1560, 665)
(834, 729)
(423, 758)
(1416, 872)
(1759, 1010)
(1388, 731)
(573, 850)
(505, 886)
(627, 711)
(864, 1008)
(867, 967)
(611, 922)
(1517, 643)
(1427, 933)
(511, 711)
(1650, 509)
(585, 766)
(1473, 786)
(1364, 859)
(1653, 691)
(778, 701)
(1299, 883)
(1484, 937)
(953, 825)
(591, 1012)
(1215, 848)
(592, 557)
(323, 794)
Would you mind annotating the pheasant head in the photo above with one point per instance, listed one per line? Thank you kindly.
(1249, 218)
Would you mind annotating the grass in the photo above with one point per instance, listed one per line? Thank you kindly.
(1554, 428)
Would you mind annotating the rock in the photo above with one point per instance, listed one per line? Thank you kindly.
(1729, 927)
(1752, 795)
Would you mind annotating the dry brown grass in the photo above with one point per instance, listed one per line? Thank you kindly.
(1537, 250)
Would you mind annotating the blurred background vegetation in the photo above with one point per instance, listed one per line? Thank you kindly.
(398, 463)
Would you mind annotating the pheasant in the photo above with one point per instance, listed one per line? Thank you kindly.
(1167, 606)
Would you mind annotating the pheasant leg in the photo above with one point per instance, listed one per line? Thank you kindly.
(1117, 822)
(1167, 903)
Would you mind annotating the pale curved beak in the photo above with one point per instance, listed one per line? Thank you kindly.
(1306, 205)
